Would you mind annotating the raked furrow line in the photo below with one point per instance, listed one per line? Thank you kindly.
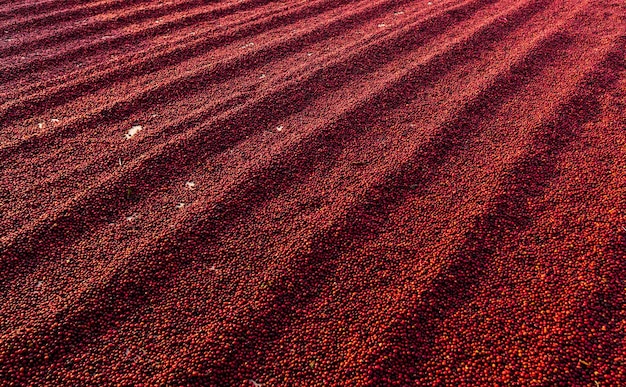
(313, 192)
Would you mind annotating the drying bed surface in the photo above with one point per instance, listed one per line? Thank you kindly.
(313, 192)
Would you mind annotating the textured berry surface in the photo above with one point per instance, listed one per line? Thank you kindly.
(313, 193)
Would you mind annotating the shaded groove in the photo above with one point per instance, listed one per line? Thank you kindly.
(10, 73)
(600, 310)
(377, 49)
(33, 9)
(324, 242)
(139, 291)
(291, 293)
(66, 14)
(74, 90)
(205, 145)
(291, 101)
(37, 102)
(529, 177)
(82, 30)
(343, 65)
(134, 291)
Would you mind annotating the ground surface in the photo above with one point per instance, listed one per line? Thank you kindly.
(317, 192)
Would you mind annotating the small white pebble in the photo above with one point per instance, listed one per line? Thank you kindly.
(309, 53)
(190, 184)
(180, 205)
(133, 131)
(279, 128)
(381, 25)
(54, 120)
(399, 13)
(430, 3)
(262, 76)
(40, 125)
(248, 45)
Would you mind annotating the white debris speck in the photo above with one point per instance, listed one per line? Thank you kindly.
(381, 25)
(119, 161)
(399, 13)
(190, 184)
(430, 3)
(54, 120)
(248, 45)
(180, 205)
(133, 131)
(309, 53)
(254, 383)
(279, 128)
(40, 125)
(262, 76)
(39, 283)
(131, 218)
(127, 351)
